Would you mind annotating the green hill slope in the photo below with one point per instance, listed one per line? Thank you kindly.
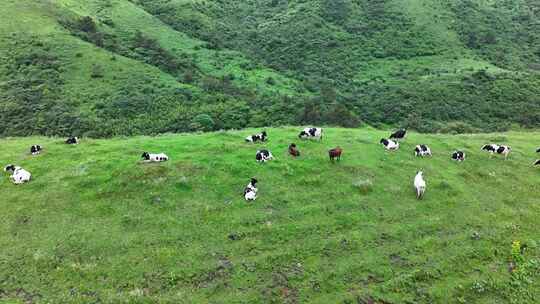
(96, 225)
(119, 67)
(121, 71)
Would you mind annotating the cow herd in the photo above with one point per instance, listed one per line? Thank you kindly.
(20, 175)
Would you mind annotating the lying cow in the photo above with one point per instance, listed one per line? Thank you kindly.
(250, 192)
(458, 156)
(18, 174)
(149, 157)
(35, 149)
(311, 133)
(389, 144)
(257, 137)
(263, 156)
(72, 141)
(399, 134)
(335, 154)
(494, 148)
(422, 150)
(293, 150)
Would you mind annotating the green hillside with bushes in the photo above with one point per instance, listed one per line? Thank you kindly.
(116, 67)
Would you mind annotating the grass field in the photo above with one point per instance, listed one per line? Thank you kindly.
(95, 225)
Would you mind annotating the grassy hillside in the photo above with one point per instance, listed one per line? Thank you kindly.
(96, 225)
(118, 67)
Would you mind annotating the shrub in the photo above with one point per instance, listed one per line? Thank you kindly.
(202, 122)
(365, 186)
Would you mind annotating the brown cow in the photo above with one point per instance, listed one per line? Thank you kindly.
(293, 150)
(335, 153)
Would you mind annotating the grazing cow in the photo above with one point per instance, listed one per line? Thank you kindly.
(499, 149)
(399, 134)
(422, 150)
(313, 133)
(149, 157)
(537, 162)
(18, 174)
(35, 149)
(72, 141)
(257, 137)
(335, 154)
(389, 144)
(293, 150)
(458, 156)
(250, 192)
(263, 156)
(419, 185)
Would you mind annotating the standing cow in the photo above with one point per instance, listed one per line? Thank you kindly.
(419, 185)
(335, 154)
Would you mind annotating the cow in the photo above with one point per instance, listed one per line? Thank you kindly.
(538, 150)
(499, 149)
(335, 153)
(35, 149)
(149, 157)
(18, 174)
(389, 144)
(250, 192)
(293, 150)
(458, 156)
(537, 162)
(263, 156)
(422, 150)
(419, 185)
(257, 137)
(312, 133)
(399, 134)
(72, 141)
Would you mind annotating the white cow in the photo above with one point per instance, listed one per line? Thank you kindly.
(419, 185)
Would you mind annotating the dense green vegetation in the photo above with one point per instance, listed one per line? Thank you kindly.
(118, 67)
(95, 225)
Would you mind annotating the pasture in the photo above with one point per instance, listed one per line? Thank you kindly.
(96, 225)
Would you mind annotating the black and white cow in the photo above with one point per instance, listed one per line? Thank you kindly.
(18, 174)
(538, 150)
(35, 149)
(263, 156)
(422, 150)
(257, 137)
(389, 144)
(311, 133)
(537, 162)
(458, 156)
(250, 192)
(399, 134)
(72, 141)
(499, 149)
(149, 157)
